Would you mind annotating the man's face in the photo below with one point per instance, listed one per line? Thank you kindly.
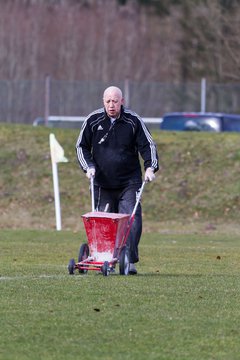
(112, 101)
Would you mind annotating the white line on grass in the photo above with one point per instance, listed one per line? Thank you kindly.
(32, 277)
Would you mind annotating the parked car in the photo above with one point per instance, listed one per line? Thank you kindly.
(197, 121)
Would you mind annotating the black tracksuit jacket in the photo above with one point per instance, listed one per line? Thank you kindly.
(114, 149)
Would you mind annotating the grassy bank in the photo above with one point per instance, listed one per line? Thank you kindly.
(199, 180)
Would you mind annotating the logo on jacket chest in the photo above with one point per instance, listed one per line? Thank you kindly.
(100, 127)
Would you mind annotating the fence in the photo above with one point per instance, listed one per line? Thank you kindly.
(24, 101)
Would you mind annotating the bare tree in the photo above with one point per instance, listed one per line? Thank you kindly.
(210, 41)
(81, 40)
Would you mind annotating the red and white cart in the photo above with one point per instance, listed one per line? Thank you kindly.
(107, 235)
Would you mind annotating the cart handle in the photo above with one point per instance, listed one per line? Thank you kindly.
(138, 198)
(92, 192)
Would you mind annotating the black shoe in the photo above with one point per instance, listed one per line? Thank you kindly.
(132, 270)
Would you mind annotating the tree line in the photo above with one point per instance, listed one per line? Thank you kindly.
(109, 40)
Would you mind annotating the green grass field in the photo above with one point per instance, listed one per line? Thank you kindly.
(183, 304)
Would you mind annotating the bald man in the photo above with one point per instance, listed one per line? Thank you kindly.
(108, 149)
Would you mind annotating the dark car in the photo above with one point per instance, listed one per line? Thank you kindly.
(197, 121)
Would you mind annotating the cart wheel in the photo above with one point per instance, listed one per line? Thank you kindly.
(71, 266)
(105, 268)
(83, 255)
(124, 261)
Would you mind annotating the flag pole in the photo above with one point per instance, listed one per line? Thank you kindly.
(56, 196)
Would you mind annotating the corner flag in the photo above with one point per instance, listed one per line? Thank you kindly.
(57, 152)
(57, 155)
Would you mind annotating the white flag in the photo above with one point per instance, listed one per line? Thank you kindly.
(57, 152)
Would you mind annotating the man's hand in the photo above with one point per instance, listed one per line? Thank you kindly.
(149, 174)
(90, 172)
